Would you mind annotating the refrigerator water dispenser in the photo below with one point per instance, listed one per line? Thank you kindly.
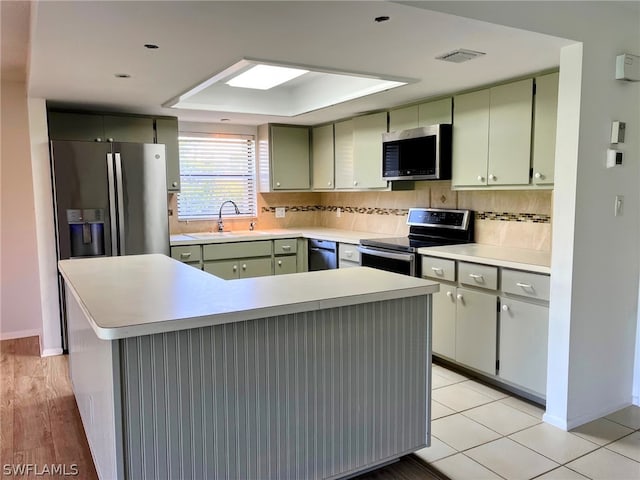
(86, 232)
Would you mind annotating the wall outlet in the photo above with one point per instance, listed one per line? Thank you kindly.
(280, 212)
(338, 212)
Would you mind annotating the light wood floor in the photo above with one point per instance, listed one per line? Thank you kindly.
(40, 423)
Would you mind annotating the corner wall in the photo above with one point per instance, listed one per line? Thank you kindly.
(20, 310)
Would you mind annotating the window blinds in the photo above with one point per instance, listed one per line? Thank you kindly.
(215, 168)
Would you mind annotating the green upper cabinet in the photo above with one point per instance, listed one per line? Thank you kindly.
(432, 113)
(367, 150)
(422, 115)
(403, 118)
(492, 136)
(128, 129)
(283, 157)
(343, 150)
(167, 133)
(76, 126)
(544, 129)
(322, 157)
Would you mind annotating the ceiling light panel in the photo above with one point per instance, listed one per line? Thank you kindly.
(265, 77)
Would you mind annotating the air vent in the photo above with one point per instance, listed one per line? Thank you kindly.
(460, 55)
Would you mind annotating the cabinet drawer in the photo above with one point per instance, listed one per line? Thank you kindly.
(187, 253)
(439, 268)
(349, 252)
(285, 246)
(527, 284)
(219, 251)
(484, 276)
(285, 264)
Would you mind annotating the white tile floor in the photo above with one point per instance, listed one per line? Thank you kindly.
(481, 433)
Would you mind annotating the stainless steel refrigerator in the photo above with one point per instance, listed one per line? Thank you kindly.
(110, 199)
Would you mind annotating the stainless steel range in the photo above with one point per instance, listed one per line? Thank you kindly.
(428, 227)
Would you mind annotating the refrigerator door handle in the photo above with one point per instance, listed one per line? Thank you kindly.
(120, 194)
(112, 205)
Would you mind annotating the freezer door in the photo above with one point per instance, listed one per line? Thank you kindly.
(141, 191)
(81, 197)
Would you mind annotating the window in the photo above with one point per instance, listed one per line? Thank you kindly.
(215, 168)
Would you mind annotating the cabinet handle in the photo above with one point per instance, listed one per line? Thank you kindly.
(244, 266)
(329, 183)
(492, 177)
(476, 277)
(438, 271)
(174, 184)
(524, 285)
(277, 184)
(460, 297)
(355, 184)
(449, 294)
(539, 176)
(279, 262)
(235, 268)
(480, 178)
(505, 308)
(185, 255)
(97, 139)
(286, 247)
(109, 139)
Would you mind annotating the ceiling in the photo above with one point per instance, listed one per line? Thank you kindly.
(77, 48)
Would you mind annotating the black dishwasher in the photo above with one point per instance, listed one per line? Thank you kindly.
(322, 255)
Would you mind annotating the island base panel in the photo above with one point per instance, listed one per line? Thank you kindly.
(311, 395)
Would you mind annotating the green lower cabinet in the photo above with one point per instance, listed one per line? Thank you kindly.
(285, 264)
(240, 268)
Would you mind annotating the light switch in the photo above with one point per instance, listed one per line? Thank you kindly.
(279, 212)
(619, 205)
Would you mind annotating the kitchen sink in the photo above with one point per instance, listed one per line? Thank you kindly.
(236, 233)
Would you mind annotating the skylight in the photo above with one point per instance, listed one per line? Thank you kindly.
(271, 88)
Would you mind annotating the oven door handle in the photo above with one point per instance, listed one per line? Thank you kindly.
(405, 257)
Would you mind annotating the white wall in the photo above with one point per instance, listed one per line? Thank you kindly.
(51, 340)
(20, 310)
(595, 266)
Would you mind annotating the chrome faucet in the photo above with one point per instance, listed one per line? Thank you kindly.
(220, 222)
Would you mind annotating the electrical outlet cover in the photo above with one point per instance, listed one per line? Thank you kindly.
(280, 212)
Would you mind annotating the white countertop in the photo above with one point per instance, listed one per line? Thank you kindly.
(331, 234)
(518, 258)
(146, 294)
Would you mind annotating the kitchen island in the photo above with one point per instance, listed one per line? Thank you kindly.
(179, 374)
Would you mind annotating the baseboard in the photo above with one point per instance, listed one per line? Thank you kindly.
(570, 424)
(20, 334)
(51, 352)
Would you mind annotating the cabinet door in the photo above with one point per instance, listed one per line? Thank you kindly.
(470, 139)
(444, 322)
(76, 126)
(128, 129)
(403, 118)
(322, 157)
(524, 329)
(343, 144)
(476, 330)
(432, 113)
(367, 150)
(285, 264)
(544, 129)
(510, 133)
(255, 267)
(226, 269)
(167, 133)
(289, 157)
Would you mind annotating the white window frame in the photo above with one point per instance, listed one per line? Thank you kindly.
(247, 202)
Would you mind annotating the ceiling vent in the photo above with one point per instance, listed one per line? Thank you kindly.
(460, 55)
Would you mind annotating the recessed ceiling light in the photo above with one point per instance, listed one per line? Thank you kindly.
(151, 46)
(381, 19)
(264, 77)
(122, 75)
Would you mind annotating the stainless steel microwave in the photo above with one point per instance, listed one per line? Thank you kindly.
(417, 154)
